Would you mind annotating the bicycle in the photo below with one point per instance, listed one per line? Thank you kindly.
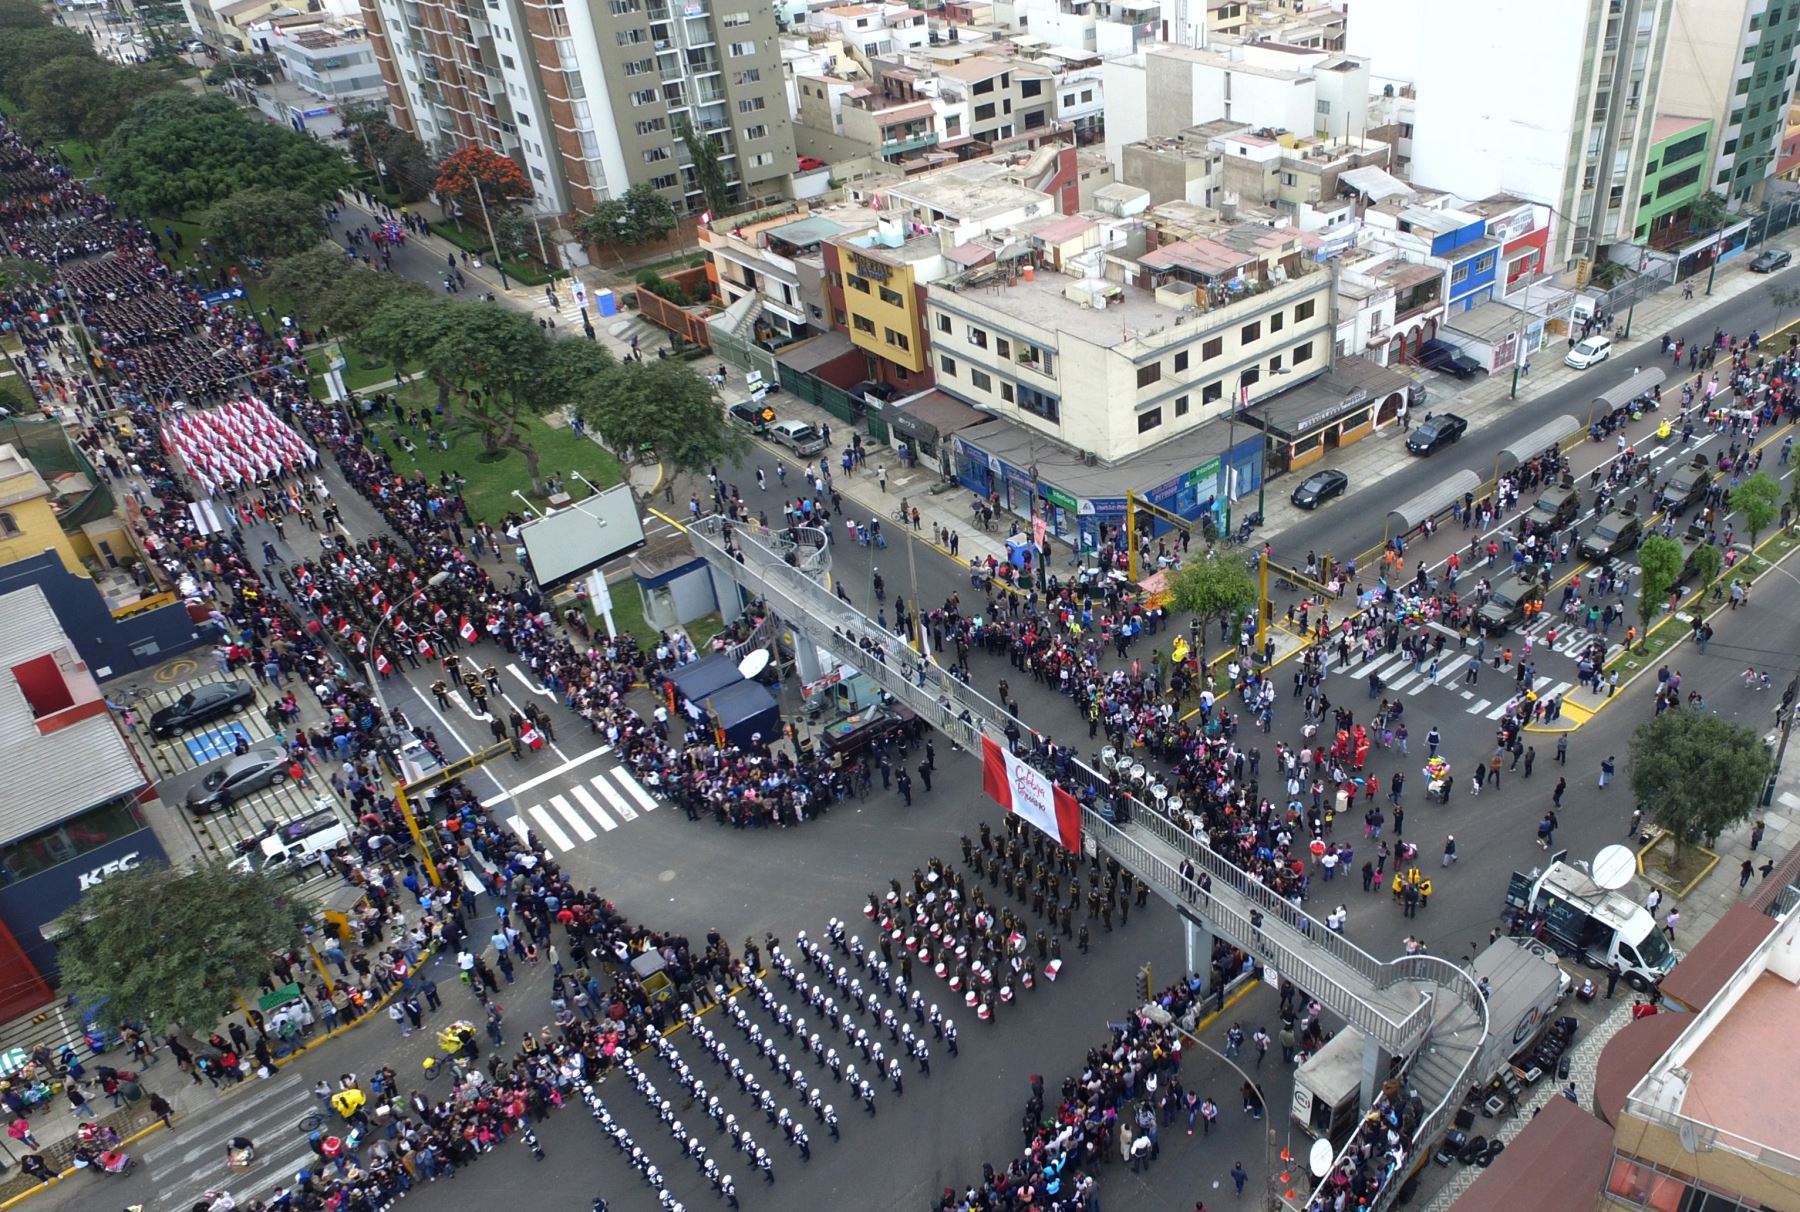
(311, 1122)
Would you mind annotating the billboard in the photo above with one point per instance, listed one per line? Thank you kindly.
(568, 542)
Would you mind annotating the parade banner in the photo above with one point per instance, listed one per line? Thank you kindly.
(1021, 788)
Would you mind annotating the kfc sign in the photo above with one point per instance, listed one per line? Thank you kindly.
(125, 862)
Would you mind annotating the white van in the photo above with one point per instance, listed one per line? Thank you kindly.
(298, 843)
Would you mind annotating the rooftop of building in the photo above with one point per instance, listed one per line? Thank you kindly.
(328, 39)
(1224, 62)
(977, 68)
(19, 480)
(1730, 1071)
(973, 189)
(60, 751)
(1667, 126)
(1487, 320)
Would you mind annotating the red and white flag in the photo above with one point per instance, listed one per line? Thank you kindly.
(382, 666)
(467, 630)
(1020, 788)
(425, 649)
(362, 642)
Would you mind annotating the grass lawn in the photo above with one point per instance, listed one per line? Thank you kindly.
(489, 483)
(362, 371)
(473, 240)
(628, 617)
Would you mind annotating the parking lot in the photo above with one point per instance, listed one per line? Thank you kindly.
(180, 762)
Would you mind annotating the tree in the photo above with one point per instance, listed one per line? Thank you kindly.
(709, 170)
(175, 154)
(1699, 773)
(405, 331)
(81, 97)
(16, 272)
(265, 223)
(1784, 298)
(216, 929)
(665, 403)
(394, 155)
(1708, 212)
(1758, 499)
(516, 235)
(342, 296)
(1659, 565)
(23, 51)
(1213, 587)
(638, 217)
(502, 185)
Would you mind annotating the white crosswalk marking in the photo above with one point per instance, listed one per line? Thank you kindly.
(1400, 683)
(550, 827)
(634, 789)
(613, 796)
(587, 801)
(1480, 705)
(582, 829)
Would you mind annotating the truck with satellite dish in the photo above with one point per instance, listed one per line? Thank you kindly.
(1586, 918)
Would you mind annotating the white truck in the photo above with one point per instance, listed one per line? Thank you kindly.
(1525, 985)
(1589, 924)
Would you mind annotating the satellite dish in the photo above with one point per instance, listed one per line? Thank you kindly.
(1689, 1135)
(754, 663)
(1614, 866)
(1319, 1160)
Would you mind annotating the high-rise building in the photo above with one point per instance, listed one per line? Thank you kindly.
(1733, 61)
(1551, 101)
(588, 96)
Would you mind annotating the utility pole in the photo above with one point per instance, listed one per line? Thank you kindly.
(488, 222)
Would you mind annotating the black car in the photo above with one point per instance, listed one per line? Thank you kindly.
(1442, 356)
(236, 777)
(200, 704)
(1319, 488)
(1770, 260)
(1434, 431)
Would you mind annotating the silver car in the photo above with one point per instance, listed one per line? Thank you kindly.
(236, 777)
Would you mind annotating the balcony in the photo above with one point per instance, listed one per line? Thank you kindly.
(909, 143)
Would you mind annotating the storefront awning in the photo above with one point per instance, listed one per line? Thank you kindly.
(1303, 410)
(930, 415)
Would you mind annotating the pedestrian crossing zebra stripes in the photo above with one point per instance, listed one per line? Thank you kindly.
(1399, 676)
(584, 811)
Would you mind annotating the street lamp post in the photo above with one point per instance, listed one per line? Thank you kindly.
(1274, 1195)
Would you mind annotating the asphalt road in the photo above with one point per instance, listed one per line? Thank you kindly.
(1356, 522)
(667, 871)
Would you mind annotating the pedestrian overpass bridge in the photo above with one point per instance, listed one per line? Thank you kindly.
(1420, 1008)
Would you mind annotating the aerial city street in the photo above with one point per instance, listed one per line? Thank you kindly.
(938, 606)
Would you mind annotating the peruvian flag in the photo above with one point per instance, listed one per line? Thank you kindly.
(1029, 792)
(425, 649)
(362, 642)
(467, 630)
(381, 664)
(344, 628)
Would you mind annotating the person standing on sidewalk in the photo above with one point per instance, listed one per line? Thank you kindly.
(159, 1107)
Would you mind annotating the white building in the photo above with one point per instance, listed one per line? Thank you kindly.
(869, 31)
(1114, 356)
(1286, 89)
(335, 65)
(1549, 100)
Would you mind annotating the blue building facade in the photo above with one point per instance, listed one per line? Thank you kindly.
(1474, 260)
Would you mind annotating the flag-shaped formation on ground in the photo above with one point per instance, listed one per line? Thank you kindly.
(235, 444)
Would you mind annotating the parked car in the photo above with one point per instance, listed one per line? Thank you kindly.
(1771, 259)
(238, 776)
(1436, 430)
(1589, 352)
(754, 418)
(1445, 357)
(1319, 488)
(1512, 595)
(798, 437)
(1616, 532)
(200, 704)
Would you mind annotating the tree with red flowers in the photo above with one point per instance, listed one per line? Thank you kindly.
(503, 185)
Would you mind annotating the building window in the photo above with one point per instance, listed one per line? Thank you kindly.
(1149, 374)
(977, 337)
(8, 526)
(1006, 391)
(898, 340)
(1036, 402)
(1484, 263)
(1212, 349)
(864, 324)
(1149, 420)
(1459, 274)
(750, 105)
(947, 365)
(1303, 352)
(1212, 393)
(1181, 406)
(1002, 347)
(1250, 333)
(1181, 361)
(857, 283)
(1304, 311)
(979, 380)
(1277, 321)
(892, 298)
(759, 131)
(943, 322)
